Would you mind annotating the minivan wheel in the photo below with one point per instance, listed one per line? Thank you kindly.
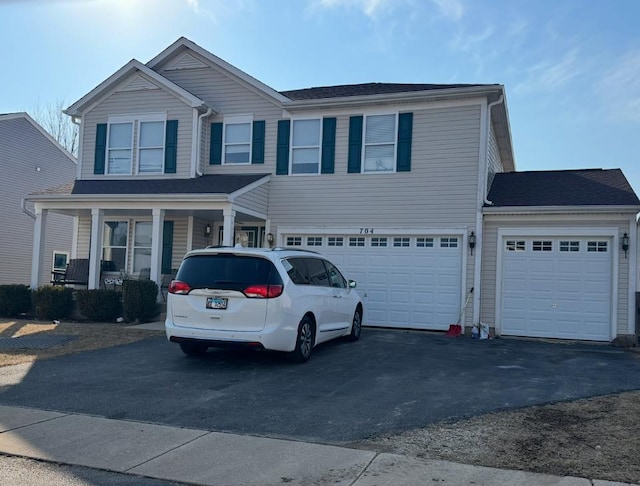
(356, 325)
(304, 342)
(193, 349)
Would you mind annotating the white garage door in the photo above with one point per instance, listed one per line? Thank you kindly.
(405, 281)
(557, 287)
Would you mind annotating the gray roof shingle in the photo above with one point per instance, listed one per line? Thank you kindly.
(207, 184)
(587, 187)
(345, 90)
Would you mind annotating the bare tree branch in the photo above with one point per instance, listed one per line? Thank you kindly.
(57, 124)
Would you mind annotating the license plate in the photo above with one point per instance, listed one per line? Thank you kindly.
(217, 302)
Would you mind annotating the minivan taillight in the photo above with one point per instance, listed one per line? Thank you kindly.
(263, 291)
(179, 287)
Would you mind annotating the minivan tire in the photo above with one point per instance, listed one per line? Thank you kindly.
(304, 341)
(193, 349)
(356, 325)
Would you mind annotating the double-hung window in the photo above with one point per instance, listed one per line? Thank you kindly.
(305, 146)
(136, 144)
(237, 139)
(114, 244)
(119, 148)
(380, 143)
(142, 245)
(151, 147)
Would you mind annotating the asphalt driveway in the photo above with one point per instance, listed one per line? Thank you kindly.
(389, 381)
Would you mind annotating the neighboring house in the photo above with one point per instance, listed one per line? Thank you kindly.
(389, 180)
(31, 160)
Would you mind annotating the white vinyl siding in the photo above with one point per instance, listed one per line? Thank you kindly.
(138, 104)
(493, 155)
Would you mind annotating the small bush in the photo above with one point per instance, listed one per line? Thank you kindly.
(99, 305)
(14, 300)
(139, 299)
(52, 302)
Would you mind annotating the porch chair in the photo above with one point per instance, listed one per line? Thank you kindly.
(76, 273)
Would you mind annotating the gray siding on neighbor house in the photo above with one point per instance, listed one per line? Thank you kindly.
(139, 103)
(23, 148)
(493, 158)
(490, 254)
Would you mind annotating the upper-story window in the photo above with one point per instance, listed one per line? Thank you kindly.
(146, 155)
(151, 147)
(237, 140)
(305, 146)
(119, 148)
(380, 143)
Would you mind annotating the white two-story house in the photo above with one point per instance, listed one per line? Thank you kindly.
(394, 182)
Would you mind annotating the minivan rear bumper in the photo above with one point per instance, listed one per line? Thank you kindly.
(274, 337)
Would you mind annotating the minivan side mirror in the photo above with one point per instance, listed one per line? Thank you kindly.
(352, 284)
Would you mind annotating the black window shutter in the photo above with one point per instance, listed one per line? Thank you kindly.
(101, 148)
(171, 147)
(282, 156)
(215, 148)
(328, 145)
(405, 131)
(167, 246)
(354, 161)
(257, 145)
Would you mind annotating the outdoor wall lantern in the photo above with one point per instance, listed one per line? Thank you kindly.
(472, 241)
(207, 230)
(270, 239)
(625, 244)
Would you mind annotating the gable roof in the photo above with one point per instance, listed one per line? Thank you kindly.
(367, 89)
(183, 44)
(204, 185)
(132, 66)
(37, 126)
(586, 187)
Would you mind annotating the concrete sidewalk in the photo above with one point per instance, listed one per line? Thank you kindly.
(211, 458)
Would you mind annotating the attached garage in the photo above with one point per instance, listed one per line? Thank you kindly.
(557, 261)
(557, 287)
(406, 281)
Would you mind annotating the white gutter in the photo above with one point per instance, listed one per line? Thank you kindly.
(76, 120)
(486, 172)
(198, 141)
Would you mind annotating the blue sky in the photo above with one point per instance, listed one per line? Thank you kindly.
(571, 68)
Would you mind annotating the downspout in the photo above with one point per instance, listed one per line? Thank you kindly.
(477, 273)
(76, 120)
(200, 118)
(26, 210)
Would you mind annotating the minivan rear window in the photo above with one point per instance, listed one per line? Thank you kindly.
(227, 272)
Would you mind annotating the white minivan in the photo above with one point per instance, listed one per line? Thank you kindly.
(276, 299)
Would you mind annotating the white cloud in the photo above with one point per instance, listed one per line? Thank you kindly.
(369, 7)
(619, 88)
(452, 9)
(465, 42)
(551, 74)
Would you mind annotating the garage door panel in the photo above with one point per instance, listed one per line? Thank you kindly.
(557, 294)
(403, 286)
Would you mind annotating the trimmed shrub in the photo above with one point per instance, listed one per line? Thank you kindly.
(14, 300)
(52, 302)
(139, 299)
(99, 305)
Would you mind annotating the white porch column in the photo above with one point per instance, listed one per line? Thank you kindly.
(229, 223)
(37, 254)
(95, 251)
(156, 245)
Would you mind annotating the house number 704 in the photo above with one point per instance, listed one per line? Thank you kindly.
(366, 231)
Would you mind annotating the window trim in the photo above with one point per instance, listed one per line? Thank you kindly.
(134, 247)
(134, 120)
(319, 146)
(139, 149)
(126, 247)
(366, 116)
(236, 120)
(53, 261)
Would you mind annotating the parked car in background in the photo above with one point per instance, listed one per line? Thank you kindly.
(281, 300)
